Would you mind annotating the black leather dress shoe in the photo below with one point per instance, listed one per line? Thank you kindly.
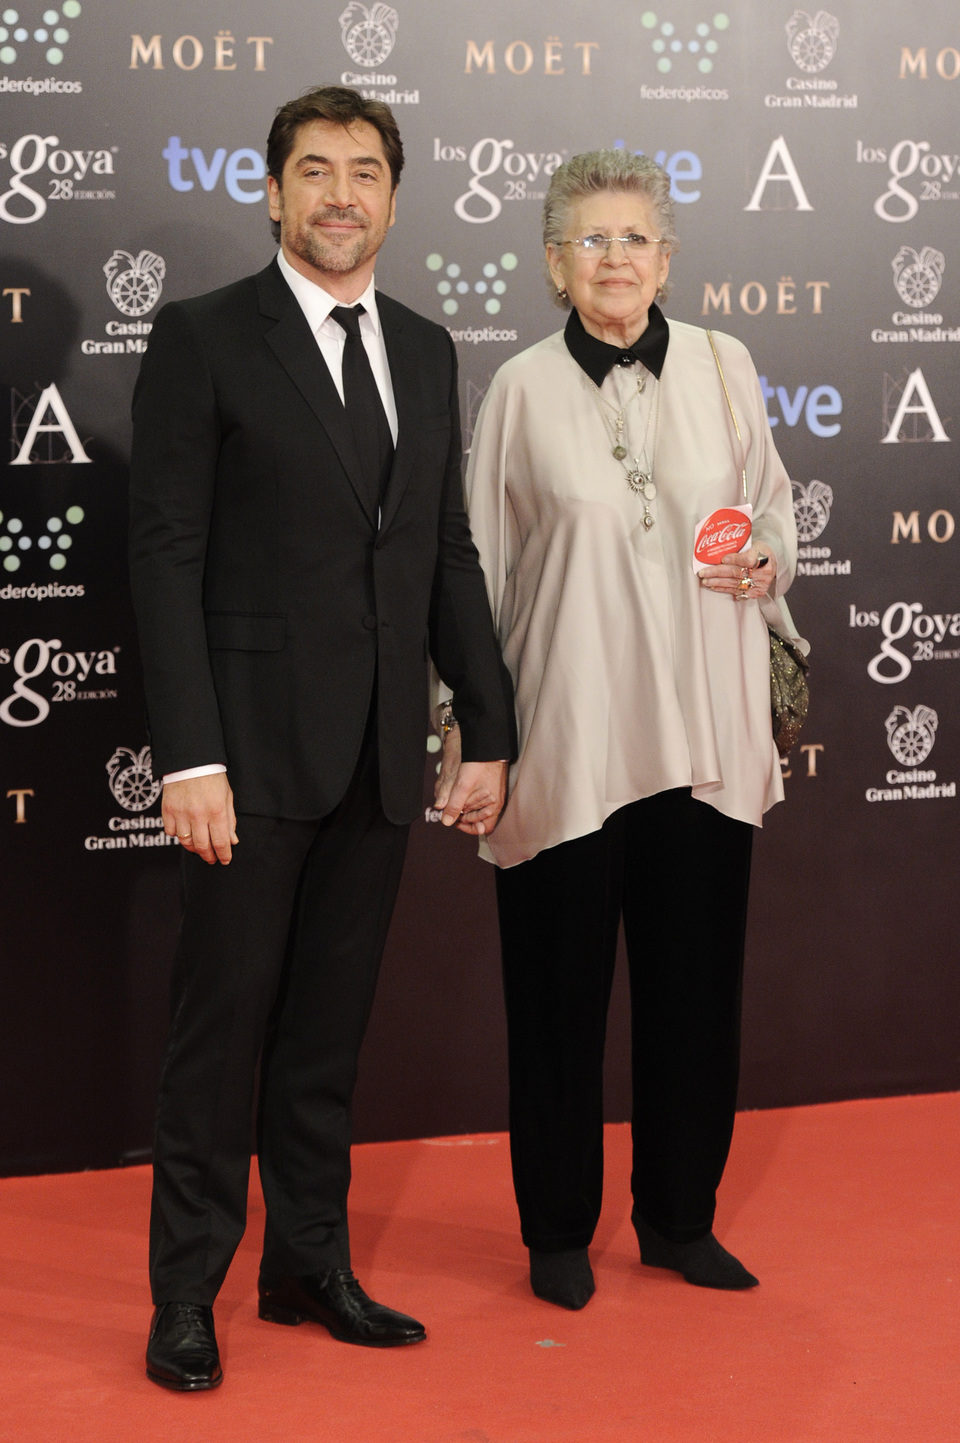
(337, 1301)
(182, 1349)
(703, 1262)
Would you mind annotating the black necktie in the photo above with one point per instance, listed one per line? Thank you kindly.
(368, 420)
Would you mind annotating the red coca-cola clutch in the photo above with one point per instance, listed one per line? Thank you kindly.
(722, 533)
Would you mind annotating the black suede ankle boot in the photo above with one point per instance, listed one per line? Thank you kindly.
(702, 1262)
(562, 1278)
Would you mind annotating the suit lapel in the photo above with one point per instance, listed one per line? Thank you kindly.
(404, 361)
(298, 353)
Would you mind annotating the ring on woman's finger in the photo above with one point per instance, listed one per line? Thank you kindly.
(184, 836)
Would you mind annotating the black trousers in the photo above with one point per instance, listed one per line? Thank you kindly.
(677, 872)
(278, 954)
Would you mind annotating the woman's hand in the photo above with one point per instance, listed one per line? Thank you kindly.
(746, 575)
(449, 766)
(470, 795)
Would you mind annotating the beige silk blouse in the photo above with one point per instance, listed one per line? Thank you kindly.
(630, 677)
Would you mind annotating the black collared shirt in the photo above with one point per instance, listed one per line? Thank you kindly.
(597, 357)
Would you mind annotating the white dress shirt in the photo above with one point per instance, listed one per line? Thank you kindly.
(316, 304)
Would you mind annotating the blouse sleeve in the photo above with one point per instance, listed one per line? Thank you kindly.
(768, 485)
(487, 488)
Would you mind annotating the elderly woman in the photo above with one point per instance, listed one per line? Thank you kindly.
(643, 696)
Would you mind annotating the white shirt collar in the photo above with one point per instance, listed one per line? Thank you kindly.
(316, 303)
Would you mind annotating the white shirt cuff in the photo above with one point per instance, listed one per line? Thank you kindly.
(189, 772)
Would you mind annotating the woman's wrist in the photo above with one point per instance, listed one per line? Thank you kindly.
(445, 721)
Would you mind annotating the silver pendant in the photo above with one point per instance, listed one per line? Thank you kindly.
(647, 521)
(640, 483)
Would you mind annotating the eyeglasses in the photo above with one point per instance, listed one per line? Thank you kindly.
(633, 244)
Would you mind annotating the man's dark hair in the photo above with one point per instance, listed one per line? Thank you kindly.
(337, 105)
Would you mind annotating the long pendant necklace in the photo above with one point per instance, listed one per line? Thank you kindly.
(640, 474)
(619, 450)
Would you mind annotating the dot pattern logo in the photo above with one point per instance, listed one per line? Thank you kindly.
(54, 542)
(454, 288)
(51, 34)
(670, 48)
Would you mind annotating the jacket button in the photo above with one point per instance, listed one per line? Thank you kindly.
(370, 623)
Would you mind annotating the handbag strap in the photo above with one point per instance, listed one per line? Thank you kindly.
(733, 414)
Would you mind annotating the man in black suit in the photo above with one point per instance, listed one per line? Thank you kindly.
(298, 549)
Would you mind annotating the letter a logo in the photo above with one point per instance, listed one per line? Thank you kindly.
(915, 401)
(51, 401)
(778, 152)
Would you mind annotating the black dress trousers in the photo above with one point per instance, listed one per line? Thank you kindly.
(677, 872)
(278, 954)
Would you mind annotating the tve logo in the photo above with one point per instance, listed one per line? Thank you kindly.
(811, 405)
(684, 168)
(241, 170)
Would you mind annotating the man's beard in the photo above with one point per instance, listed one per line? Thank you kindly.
(327, 254)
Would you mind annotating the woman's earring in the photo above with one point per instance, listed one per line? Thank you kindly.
(562, 293)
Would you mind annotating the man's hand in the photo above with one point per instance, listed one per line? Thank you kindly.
(471, 795)
(199, 813)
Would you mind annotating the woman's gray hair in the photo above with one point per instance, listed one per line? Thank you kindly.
(601, 170)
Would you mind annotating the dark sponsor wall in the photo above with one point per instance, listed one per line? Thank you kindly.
(814, 159)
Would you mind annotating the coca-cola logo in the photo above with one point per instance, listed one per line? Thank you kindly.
(721, 534)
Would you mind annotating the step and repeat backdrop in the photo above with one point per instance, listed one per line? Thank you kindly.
(815, 162)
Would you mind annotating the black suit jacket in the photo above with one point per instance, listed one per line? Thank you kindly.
(268, 600)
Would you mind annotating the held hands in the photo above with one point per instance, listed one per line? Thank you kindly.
(471, 795)
(746, 575)
(199, 812)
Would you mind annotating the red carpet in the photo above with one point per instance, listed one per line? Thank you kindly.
(849, 1214)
